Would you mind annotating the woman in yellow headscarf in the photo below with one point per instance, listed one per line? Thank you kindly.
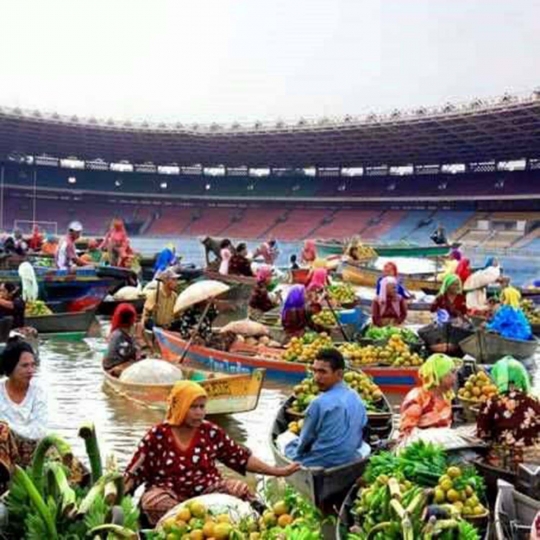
(177, 458)
(430, 405)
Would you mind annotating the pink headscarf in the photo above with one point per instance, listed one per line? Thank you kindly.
(309, 253)
(383, 299)
(264, 273)
(319, 279)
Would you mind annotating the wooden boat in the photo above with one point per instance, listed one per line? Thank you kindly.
(395, 380)
(328, 248)
(300, 275)
(368, 277)
(107, 308)
(327, 487)
(227, 394)
(488, 347)
(62, 323)
(514, 513)
(445, 337)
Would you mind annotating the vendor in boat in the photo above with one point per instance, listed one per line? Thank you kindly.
(177, 459)
(510, 420)
(36, 240)
(450, 298)
(166, 259)
(477, 284)
(94, 253)
(23, 408)
(195, 321)
(463, 269)
(309, 253)
(12, 303)
(332, 433)
(225, 253)
(116, 243)
(390, 270)
(318, 279)
(388, 308)
(296, 311)
(268, 251)
(159, 306)
(510, 296)
(239, 264)
(50, 246)
(122, 350)
(261, 300)
(66, 254)
(294, 263)
(430, 405)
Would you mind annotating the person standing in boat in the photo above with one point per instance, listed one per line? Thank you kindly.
(116, 243)
(122, 350)
(450, 298)
(509, 422)
(225, 253)
(309, 253)
(269, 252)
(240, 265)
(332, 433)
(159, 306)
(66, 254)
(430, 405)
(176, 460)
(388, 307)
(477, 284)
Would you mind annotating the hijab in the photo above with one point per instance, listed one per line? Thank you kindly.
(509, 371)
(182, 396)
(434, 369)
(448, 281)
(463, 270)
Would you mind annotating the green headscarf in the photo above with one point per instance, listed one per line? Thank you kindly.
(447, 282)
(509, 371)
(434, 369)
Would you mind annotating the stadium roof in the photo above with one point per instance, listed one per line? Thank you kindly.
(503, 129)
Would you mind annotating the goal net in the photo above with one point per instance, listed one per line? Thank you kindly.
(26, 226)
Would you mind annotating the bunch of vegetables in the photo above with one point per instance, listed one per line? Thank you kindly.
(306, 348)
(385, 333)
(325, 318)
(531, 311)
(478, 387)
(37, 308)
(42, 505)
(290, 517)
(341, 293)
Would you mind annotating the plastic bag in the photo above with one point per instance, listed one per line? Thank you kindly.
(127, 293)
(511, 323)
(152, 371)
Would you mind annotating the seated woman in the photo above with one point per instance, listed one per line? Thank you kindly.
(261, 300)
(318, 279)
(450, 298)
(192, 319)
(430, 405)
(177, 459)
(309, 253)
(240, 265)
(23, 407)
(294, 314)
(388, 308)
(390, 270)
(12, 304)
(122, 350)
(476, 286)
(463, 269)
(510, 296)
(510, 421)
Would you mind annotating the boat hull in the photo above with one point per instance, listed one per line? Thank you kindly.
(227, 394)
(326, 249)
(62, 323)
(393, 380)
(446, 335)
(488, 347)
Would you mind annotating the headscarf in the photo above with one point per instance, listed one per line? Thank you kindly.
(456, 254)
(448, 281)
(490, 261)
(434, 369)
(122, 314)
(463, 270)
(264, 273)
(383, 298)
(509, 371)
(182, 396)
(510, 296)
(165, 259)
(318, 279)
(309, 253)
(296, 299)
(390, 269)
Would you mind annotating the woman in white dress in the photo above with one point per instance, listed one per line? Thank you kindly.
(23, 407)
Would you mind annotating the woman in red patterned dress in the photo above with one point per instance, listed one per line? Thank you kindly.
(176, 459)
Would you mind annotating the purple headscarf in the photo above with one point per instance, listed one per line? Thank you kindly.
(296, 299)
(455, 254)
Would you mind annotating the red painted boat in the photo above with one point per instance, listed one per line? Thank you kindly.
(389, 379)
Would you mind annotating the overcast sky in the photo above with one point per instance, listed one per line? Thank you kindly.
(224, 60)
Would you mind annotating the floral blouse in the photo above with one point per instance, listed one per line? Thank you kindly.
(511, 420)
(190, 319)
(159, 461)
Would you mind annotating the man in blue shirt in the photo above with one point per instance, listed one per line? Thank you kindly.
(334, 421)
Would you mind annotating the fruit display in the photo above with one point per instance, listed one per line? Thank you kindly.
(325, 318)
(296, 426)
(289, 516)
(341, 293)
(305, 348)
(478, 388)
(531, 311)
(458, 487)
(37, 308)
(386, 332)
(395, 353)
(307, 390)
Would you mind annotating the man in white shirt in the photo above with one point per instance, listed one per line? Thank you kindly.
(66, 255)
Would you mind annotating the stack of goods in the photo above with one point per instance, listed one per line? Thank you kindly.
(417, 494)
(478, 388)
(511, 323)
(395, 353)
(532, 313)
(261, 341)
(37, 308)
(288, 517)
(305, 349)
(325, 318)
(307, 391)
(342, 294)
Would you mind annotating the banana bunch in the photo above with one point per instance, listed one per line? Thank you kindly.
(38, 308)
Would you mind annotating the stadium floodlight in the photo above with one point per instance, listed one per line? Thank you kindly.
(118, 182)
(208, 187)
(72, 180)
(163, 185)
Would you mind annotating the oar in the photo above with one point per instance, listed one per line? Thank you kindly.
(336, 318)
(194, 333)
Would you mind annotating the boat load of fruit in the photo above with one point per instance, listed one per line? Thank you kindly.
(419, 493)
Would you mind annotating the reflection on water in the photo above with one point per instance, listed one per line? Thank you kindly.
(71, 374)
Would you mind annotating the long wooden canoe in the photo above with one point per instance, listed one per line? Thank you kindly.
(61, 323)
(368, 277)
(326, 488)
(488, 347)
(227, 394)
(447, 335)
(327, 248)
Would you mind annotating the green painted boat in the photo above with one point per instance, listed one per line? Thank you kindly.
(329, 248)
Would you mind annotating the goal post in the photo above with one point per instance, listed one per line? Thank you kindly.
(26, 226)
